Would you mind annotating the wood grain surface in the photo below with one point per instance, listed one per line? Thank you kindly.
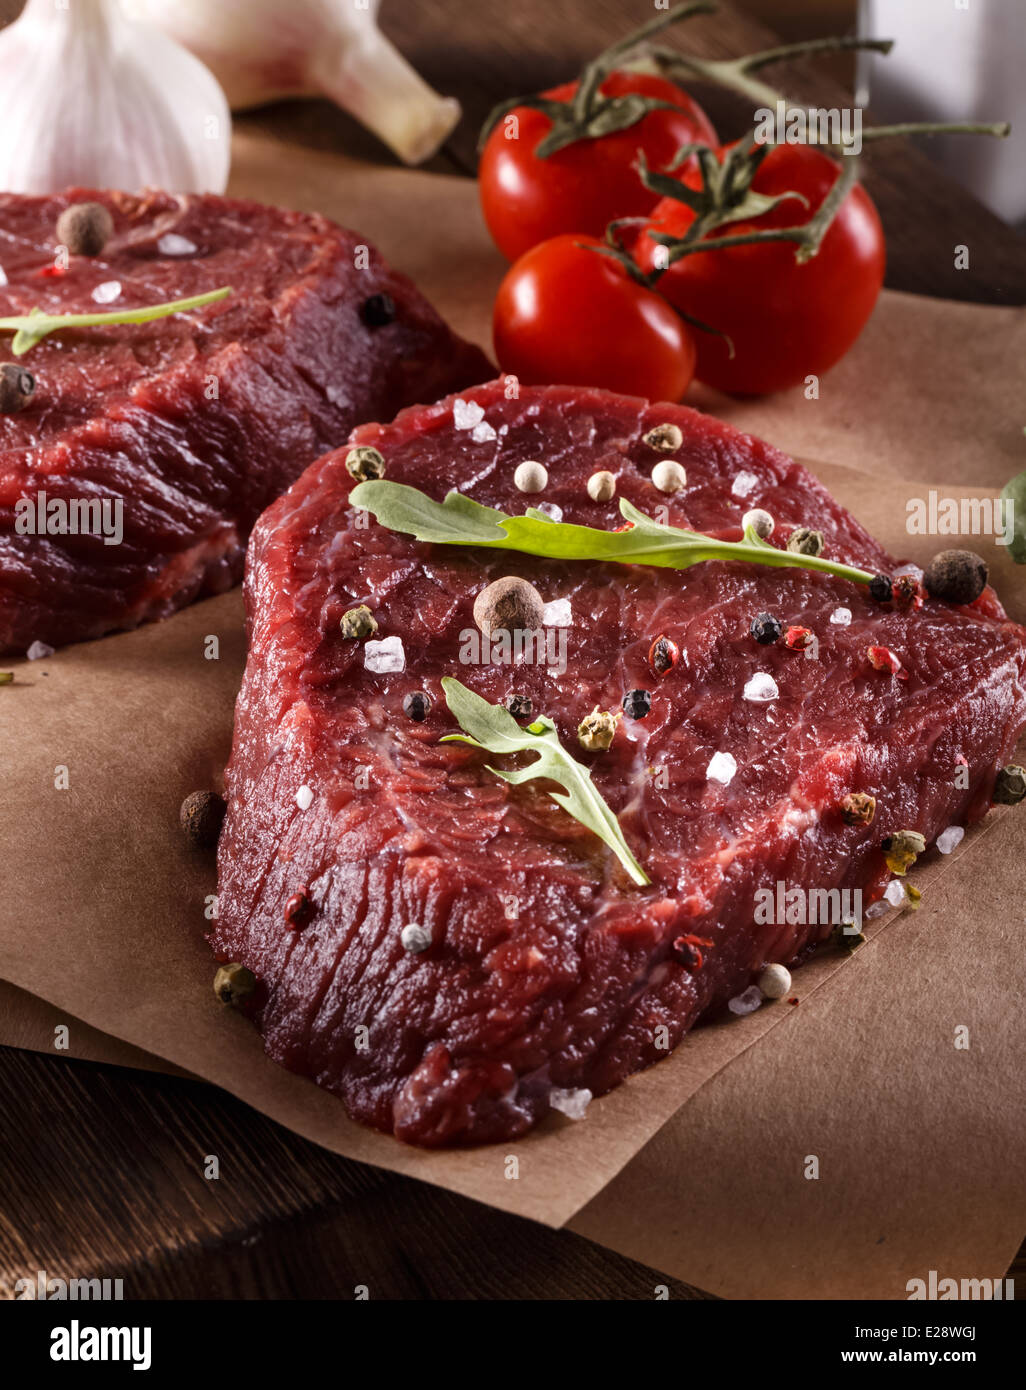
(103, 1175)
(102, 1170)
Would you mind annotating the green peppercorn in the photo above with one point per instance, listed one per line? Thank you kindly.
(902, 849)
(233, 984)
(858, 808)
(359, 623)
(664, 438)
(365, 463)
(803, 540)
(596, 731)
(1010, 787)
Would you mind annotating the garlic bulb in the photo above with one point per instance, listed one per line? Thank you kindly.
(263, 50)
(94, 99)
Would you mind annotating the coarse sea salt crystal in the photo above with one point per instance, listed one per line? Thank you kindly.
(171, 244)
(304, 798)
(841, 616)
(572, 1103)
(3, 276)
(950, 839)
(722, 767)
(385, 657)
(466, 414)
(747, 1002)
(894, 893)
(482, 433)
(874, 910)
(743, 484)
(761, 687)
(107, 292)
(39, 651)
(558, 613)
(550, 510)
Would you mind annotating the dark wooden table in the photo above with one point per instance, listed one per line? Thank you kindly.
(101, 1170)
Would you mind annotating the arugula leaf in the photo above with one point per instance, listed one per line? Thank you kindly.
(460, 521)
(29, 329)
(494, 729)
(1013, 495)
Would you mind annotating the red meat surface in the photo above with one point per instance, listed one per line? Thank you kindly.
(195, 422)
(548, 968)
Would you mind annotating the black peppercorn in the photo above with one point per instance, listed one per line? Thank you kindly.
(378, 310)
(520, 706)
(958, 576)
(17, 386)
(636, 704)
(881, 588)
(417, 705)
(765, 629)
(200, 817)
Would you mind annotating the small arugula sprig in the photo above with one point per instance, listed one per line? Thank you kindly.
(493, 728)
(460, 521)
(29, 329)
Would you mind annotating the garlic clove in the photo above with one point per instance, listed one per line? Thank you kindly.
(95, 100)
(376, 84)
(263, 50)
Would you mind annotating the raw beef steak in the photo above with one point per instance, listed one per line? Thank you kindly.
(547, 969)
(193, 423)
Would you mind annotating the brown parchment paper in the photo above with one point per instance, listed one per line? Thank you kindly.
(920, 1145)
(110, 915)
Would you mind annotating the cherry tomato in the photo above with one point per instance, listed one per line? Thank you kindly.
(572, 316)
(584, 186)
(787, 320)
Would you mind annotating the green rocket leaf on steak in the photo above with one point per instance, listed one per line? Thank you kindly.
(460, 521)
(493, 728)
